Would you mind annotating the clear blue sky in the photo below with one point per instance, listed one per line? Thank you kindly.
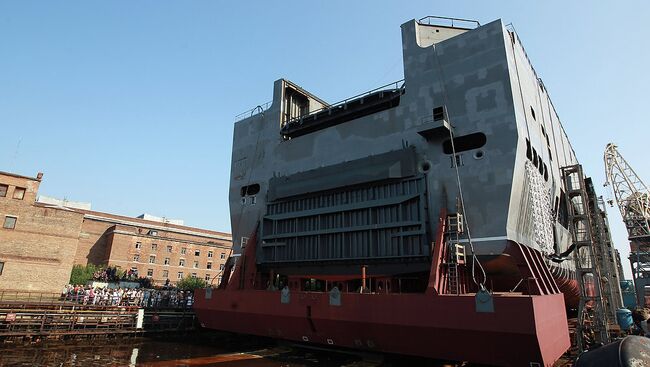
(130, 105)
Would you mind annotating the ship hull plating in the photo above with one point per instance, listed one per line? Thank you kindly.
(521, 330)
(504, 273)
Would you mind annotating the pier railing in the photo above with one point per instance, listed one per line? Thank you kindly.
(26, 315)
(30, 297)
(164, 301)
(70, 320)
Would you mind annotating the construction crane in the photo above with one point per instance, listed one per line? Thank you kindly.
(633, 199)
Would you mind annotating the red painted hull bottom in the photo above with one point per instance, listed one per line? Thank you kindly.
(521, 330)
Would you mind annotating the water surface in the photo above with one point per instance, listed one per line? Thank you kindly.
(198, 349)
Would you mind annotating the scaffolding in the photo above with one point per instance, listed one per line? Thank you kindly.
(592, 325)
(605, 253)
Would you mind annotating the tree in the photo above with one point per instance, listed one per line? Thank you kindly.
(191, 283)
(81, 274)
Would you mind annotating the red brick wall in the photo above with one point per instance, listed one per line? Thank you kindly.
(94, 243)
(115, 244)
(38, 253)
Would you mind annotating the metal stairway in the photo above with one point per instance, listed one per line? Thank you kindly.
(592, 319)
(604, 254)
(456, 253)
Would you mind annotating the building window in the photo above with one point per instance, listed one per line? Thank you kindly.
(165, 274)
(180, 275)
(210, 254)
(152, 259)
(138, 245)
(169, 249)
(154, 247)
(219, 279)
(207, 277)
(209, 266)
(3, 190)
(153, 233)
(181, 262)
(149, 273)
(2, 266)
(183, 251)
(220, 266)
(10, 222)
(196, 264)
(166, 261)
(243, 242)
(136, 258)
(223, 255)
(197, 252)
(19, 193)
(193, 275)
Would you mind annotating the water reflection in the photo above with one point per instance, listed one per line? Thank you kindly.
(201, 349)
(205, 349)
(85, 353)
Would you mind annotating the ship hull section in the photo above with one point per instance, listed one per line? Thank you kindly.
(521, 330)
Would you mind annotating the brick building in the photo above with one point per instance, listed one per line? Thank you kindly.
(37, 243)
(42, 238)
(153, 246)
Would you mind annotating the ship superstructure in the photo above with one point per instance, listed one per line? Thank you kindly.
(434, 200)
(363, 181)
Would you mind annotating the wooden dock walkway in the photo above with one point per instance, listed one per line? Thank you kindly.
(32, 315)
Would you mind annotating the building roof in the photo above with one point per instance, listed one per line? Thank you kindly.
(63, 203)
(154, 218)
(120, 219)
(139, 222)
(175, 226)
(21, 176)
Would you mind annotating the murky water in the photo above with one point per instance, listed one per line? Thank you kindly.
(203, 349)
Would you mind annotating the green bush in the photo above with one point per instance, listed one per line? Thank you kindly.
(81, 274)
(191, 283)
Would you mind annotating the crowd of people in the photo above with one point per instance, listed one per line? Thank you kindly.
(112, 274)
(139, 297)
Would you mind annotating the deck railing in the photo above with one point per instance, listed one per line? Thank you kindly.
(253, 111)
(387, 87)
(454, 22)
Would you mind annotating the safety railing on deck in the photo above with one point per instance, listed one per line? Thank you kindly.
(253, 111)
(452, 22)
(396, 85)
